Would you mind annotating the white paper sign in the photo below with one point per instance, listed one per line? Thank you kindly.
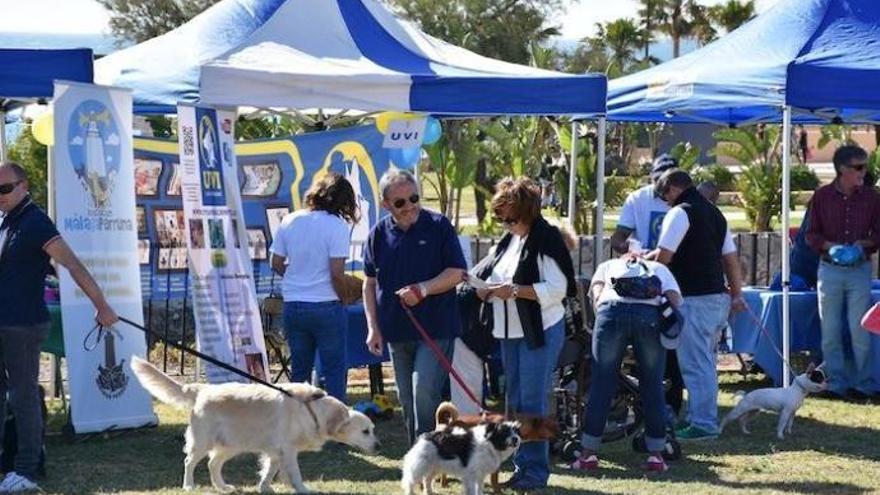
(404, 133)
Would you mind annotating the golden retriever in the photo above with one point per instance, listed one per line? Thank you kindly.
(232, 418)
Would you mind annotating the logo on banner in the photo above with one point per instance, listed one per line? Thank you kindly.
(210, 162)
(111, 380)
(94, 150)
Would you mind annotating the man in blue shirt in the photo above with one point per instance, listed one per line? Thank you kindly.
(412, 257)
(28, 240)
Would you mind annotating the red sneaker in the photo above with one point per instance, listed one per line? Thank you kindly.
(588, 463)
(655, 464)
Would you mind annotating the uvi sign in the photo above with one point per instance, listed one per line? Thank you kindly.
(404, 133)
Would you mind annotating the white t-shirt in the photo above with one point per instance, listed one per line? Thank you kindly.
(308, 239)
(676, 225)
(617, 268)
(550, 290)
(643, 213)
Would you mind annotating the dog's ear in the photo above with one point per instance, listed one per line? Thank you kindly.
(810, 368)
(338, 418)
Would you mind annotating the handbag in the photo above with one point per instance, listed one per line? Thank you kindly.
(645, 285)
(352, 289)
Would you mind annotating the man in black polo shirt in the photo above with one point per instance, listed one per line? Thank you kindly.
(28, 239)
(697, 246)
(412, 256)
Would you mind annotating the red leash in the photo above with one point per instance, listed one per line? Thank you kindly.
(440, 355)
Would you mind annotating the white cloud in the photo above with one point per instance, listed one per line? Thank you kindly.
(112, 140)
(77, 141)
(53, 16)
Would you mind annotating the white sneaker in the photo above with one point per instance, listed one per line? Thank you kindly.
(14, 482)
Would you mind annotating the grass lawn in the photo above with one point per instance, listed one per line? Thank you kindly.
(832, 450)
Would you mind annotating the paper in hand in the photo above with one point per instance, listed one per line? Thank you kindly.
(475, 282)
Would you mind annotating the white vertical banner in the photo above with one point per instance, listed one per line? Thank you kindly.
(95, 203)
(227, 315)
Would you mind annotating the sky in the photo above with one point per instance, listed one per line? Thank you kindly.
(89, 17)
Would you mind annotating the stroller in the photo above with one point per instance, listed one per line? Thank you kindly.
(572, 386)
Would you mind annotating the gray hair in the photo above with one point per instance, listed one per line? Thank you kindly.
(395, 176)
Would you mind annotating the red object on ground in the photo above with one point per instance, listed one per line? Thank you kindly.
(871, 320)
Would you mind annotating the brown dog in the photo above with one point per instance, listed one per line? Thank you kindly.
(533, 428)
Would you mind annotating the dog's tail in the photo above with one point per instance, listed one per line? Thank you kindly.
(446, 413)
(162, 387)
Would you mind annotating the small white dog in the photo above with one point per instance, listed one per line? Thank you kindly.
(470, 454)
(785, 401)
(233, 418)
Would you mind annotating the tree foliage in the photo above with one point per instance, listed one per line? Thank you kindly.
(30, 154)
(732, 14)
(140, 20)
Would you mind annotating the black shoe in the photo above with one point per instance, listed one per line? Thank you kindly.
(857, 396)
(830, 395)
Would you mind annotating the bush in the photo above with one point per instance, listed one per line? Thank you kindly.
(719, 174)
(803, 178)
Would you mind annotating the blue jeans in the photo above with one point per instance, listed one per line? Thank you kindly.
(705, 317)
(420, 380)
(845, 292)
(321, 327)
(528, 374)
(617, 325)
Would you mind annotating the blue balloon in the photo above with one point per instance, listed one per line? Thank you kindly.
(433, 131)
(405, 157)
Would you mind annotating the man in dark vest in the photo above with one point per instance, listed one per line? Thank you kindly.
(697, 246)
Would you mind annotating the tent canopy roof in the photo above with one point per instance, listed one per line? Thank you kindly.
(334, 54)
(28, 74)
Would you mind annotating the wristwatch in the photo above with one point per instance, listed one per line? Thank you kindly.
(515, 291)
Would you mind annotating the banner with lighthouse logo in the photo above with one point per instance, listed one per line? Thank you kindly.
(227, 316)
(95, 203)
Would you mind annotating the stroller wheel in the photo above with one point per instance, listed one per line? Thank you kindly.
(570, 451)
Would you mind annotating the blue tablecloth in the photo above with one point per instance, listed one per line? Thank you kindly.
(805, 329)
(357, 353)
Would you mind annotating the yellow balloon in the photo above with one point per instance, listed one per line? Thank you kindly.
(384, 118)
(43, 129)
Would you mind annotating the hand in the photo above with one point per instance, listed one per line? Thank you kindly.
(484, 294)
(411, 294)
(106, 317)
(737, 304)
(503, 291)
(375, 343)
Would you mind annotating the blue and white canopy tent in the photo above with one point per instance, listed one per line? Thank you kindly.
(336, 54)
(27, 75)
(808, 61)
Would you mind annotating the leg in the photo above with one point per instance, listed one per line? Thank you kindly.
(330, 333)
(651, 356)
(194, 454)
(298, 323)
(470, 367)
(428, 380)
(831, 304)
(858, 301)
(217, 458)
(403, 360)
(675, 394)
(784, 416)
(270, 463)
(21, 349)
(535, 373)
(609, 343)
(790, 422)
(734, 415)
(745, 419)
(510, 364)
(291, 465)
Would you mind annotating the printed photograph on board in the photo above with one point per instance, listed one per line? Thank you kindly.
(260, 179)
(215, 229)
(274, 216)
(175, 181)
(170, 229)
(146, 176)
(197, 233)
(257, 244)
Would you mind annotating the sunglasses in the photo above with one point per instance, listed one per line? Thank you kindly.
(9, 187)
(858, 167)
(401, 202)
(505, 221)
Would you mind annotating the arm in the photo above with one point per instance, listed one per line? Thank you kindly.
(374, 334)
(596, 291)
(672, 232)
(551, 290)
(619, 238)
(447, 279)
(663, 255)
(815, 237)
(674, 297)
(337, 276)
(279, 265)
(730, 262)
(64, 256)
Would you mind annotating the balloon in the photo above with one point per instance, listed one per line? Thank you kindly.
(433, 131)
(384, 118)
(405, 157)
(43, 129)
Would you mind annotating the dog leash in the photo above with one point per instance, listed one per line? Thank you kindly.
(101, 331)
(766, 333)
(441, 357)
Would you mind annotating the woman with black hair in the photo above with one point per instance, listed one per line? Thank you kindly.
(309, 250)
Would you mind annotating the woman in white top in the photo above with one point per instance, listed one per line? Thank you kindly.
(530, 275)
(309, 251)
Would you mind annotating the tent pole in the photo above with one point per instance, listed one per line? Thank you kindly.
(786, 266)
(572, 174)
(2, 136)
(600, 193)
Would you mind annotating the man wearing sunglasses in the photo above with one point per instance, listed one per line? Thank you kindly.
(28, 240)
(844, 229)
(412, 257)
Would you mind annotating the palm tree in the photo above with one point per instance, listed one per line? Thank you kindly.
(684, 19)
(621, 38)
(732, 14)
(649, 17)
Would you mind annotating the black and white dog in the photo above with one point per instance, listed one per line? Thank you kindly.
(785, 401)
(469, 454)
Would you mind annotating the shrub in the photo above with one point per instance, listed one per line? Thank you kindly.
(803, 178)
(719, 174)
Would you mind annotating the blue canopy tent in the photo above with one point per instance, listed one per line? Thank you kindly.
(808, 61)
(27, 74)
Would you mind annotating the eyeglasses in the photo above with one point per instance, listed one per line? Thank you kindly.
(858, 167)
(401, 202)
(505, 220)
(9, 187)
